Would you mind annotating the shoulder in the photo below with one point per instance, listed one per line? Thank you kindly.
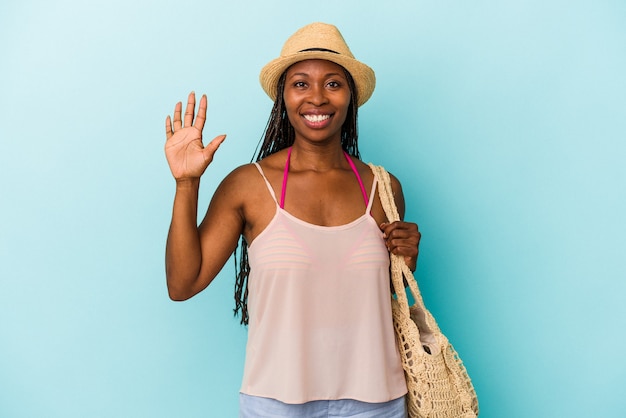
(238, 185)
(273, 166)
(246, 181)
(396, 186)
(275, 161)
(241, 175)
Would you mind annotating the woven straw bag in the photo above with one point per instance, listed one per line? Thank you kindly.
(438, 383)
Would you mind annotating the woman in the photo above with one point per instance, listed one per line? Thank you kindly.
(320, 340)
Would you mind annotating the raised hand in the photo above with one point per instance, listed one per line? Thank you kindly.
(185, 153)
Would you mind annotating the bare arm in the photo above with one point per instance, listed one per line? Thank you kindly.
(194, 257)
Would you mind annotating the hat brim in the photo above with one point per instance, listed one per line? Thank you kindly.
(364, 77)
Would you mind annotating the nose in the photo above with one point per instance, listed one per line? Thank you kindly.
(317, 96)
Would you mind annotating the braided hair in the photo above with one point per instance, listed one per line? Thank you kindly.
(278, 135)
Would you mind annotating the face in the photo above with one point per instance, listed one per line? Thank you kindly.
(317, 97)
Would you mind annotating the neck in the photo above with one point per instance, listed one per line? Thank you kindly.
(316, 157)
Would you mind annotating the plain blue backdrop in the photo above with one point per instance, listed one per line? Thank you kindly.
(504, 120)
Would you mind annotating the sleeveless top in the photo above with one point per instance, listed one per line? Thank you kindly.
(320, 325)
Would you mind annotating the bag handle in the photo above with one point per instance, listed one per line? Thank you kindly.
(399, 269)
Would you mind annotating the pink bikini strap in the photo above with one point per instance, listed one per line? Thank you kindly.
(286, 174)
(358, 177)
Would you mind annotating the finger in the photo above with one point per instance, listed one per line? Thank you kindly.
(406, 251)
(168, 127)
(411, 263)
(201, 117)
(399, 229)
(191, 107)
(410, 243)
(397, 233)
(405, 240)
(211, 147)
(177, 121)
(398, 238)
(394, 229)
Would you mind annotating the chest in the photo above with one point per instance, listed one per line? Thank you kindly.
(321, 199)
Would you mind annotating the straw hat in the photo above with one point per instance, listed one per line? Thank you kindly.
(318, 41)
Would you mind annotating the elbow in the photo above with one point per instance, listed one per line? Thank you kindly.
(178, 292)
(181, 287)
(177, 296)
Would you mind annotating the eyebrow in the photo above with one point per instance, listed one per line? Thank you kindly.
(325, 75)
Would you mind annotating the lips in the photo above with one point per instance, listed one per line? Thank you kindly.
(316, 121)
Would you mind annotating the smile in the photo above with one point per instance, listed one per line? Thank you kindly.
(316, 118)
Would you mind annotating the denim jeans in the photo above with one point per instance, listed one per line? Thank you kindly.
(258, 407)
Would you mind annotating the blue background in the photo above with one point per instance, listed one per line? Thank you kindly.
(505, 121)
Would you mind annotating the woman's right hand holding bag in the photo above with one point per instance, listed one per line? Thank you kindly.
(187, 157)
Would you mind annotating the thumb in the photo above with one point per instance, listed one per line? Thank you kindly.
(211, 147)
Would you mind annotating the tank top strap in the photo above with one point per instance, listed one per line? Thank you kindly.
(369, 204)
(267, 183)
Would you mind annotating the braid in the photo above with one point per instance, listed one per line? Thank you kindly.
(278, 135)
(349, 130)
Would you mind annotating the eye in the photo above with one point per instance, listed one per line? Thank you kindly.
(299, 84)
(334, 84)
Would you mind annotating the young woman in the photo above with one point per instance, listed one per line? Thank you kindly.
(314, 279)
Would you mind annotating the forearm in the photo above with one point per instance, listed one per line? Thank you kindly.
(183, 256)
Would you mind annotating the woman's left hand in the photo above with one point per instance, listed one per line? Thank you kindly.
(403, 238)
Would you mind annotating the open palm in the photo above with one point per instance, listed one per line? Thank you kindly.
(185, 153)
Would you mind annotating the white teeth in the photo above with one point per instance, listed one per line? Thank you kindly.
(316, 118)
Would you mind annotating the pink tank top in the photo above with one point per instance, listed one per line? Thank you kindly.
(320, 313)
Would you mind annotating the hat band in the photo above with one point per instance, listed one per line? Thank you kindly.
(319, 49)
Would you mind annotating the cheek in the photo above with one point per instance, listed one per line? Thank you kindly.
(346, 102)
(292, 113)
(290, 108)
(345, 106)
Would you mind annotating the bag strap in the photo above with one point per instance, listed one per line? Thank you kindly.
(399, 269)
